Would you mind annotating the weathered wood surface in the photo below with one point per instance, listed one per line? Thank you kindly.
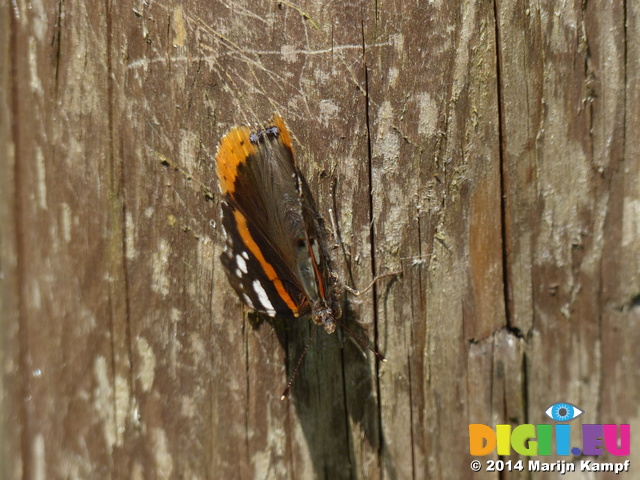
(489, 149)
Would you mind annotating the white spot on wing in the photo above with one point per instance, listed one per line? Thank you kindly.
(247, 301)
(245, 255)
(242, 265)
(264, 299)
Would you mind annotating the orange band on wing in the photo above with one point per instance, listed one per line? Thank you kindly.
(234, 149)
(241, 223)
(277, 121)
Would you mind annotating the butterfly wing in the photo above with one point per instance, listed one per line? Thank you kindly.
(262, 215)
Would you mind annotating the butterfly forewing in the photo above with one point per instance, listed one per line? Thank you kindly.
(263, 220)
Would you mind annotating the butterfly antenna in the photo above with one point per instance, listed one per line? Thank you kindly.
(285, 394)
(363, 342)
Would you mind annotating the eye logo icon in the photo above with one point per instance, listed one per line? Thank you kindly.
(563, 412)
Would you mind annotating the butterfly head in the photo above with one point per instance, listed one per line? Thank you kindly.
(327, 311)
(322, 315)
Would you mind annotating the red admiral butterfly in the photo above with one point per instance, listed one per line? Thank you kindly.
(276, 255)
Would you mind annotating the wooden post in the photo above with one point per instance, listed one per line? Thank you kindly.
(489, 150)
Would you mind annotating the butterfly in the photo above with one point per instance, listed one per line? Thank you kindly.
(276, 255)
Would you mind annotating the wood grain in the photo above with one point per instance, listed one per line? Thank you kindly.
(486, 149)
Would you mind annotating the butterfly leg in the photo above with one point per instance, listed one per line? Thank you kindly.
(357, 293)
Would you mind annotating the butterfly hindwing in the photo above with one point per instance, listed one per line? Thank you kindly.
(260, 281)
